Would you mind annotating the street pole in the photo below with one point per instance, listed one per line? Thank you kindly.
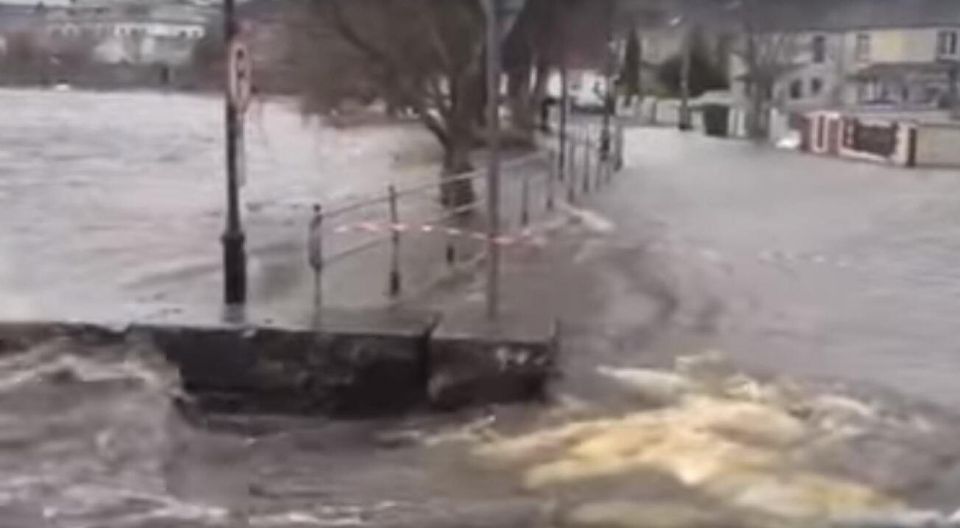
(234, 255)
(610, 100)
(684, 122)
(493, 174)
(564, 100)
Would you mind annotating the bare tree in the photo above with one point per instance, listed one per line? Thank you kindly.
(767, 54)
(427, 57)
(22, 49)
(531, 53)
(424, 55)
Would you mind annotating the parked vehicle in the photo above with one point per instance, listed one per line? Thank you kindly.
(588, 91)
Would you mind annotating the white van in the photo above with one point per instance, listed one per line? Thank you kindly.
(587, 89)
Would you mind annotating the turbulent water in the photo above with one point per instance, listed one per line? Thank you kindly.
(91, 437)
(86, 438)
(111, 207)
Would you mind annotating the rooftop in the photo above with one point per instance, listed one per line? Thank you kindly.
(808, 15)
(843, 15)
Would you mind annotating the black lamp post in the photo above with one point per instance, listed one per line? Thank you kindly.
(234, 254)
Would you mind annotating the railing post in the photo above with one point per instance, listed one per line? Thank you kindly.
(586, 166)
(551, 177)
(315, 254)
(450, 250)
(600, 172)
(620, 146)
(572, 174)
(525, 201)
(394, 280)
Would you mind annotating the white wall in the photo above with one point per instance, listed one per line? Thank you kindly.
(937, 145)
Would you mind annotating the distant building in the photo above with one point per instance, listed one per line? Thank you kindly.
(138, 32)
(133, 33)
(901, 54)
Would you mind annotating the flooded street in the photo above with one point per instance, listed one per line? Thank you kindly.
(839, 274)
(111, 210)
(792, 263)
(110, 199)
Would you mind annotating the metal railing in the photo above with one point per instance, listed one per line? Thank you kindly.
(535, 179)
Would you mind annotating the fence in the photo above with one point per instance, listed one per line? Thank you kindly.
(401, 217)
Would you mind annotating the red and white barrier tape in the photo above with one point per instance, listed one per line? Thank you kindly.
(526, 237)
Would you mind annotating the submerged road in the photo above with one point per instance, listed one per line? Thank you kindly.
(790, 263)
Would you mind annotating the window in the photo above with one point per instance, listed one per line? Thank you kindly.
(862, 50)
(946, 43)
(819, 49)
(796, 89)
(816, 86)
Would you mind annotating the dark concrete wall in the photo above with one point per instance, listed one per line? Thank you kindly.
(353, 366)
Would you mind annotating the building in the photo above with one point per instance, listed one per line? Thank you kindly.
(136, 32)
(899, 54)
(156, 33)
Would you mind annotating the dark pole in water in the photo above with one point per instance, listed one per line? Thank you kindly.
(234, 255)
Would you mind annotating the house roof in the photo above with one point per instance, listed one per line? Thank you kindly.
(806, 15)
(845, 15)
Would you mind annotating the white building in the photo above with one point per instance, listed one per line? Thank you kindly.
(901, 54)
(128, 33)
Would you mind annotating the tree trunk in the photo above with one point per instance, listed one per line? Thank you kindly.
(458, 144)
(540, 92)
(456, 163)
(522, 109)
(755, 121)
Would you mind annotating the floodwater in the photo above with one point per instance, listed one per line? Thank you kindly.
(111, 208)
(113, 203)
(91, 437)
(117, 199)
(790, 263)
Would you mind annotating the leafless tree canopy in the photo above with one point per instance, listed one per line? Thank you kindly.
(767, 54)
(426, 57)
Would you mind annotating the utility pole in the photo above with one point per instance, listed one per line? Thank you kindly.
(234, 254)
(494, 67)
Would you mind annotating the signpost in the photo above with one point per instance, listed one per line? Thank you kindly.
(237, 85)
(240, 75)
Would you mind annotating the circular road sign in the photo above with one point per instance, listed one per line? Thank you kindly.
(240, 75)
